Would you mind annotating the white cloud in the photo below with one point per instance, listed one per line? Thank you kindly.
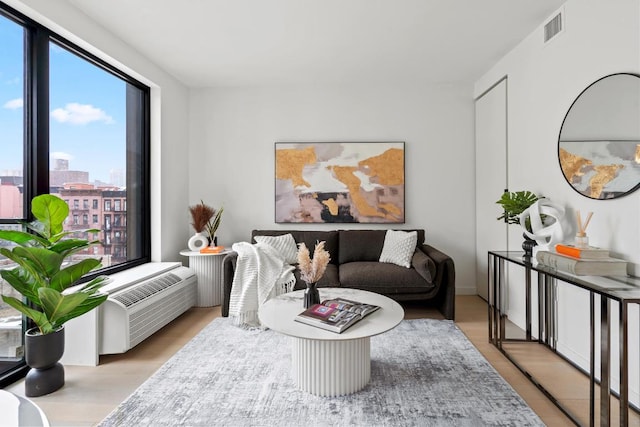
(80, 114)
(14, 104)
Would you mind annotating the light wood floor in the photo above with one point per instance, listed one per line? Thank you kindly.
(90, 393)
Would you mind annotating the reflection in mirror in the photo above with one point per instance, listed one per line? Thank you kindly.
(599, 143)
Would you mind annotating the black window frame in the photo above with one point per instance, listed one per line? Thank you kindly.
(36, 138)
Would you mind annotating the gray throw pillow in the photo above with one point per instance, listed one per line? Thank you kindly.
(424, 265)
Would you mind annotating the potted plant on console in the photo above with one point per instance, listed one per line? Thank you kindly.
(514, 203)
(48, 279)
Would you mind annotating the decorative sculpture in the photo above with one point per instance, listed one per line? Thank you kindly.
(545, 218)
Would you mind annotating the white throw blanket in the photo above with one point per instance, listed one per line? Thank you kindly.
(261, 273)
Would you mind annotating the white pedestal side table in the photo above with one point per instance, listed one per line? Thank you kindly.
(326, 363)
(208, 268)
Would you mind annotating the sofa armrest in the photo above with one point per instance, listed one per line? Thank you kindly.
(228, 270)
(445, 299)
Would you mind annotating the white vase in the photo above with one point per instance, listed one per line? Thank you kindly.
(197, 242)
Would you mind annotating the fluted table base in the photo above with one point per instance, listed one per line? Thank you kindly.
(331, 368)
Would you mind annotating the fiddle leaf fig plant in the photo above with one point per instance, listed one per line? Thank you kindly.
(44, 273)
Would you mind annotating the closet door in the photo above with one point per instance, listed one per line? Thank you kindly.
(491, 176)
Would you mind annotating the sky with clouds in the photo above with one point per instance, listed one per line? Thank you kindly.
(87, 109)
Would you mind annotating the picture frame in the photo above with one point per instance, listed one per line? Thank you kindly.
(339, 182)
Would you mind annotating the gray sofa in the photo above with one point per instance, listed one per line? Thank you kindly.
(354, 264)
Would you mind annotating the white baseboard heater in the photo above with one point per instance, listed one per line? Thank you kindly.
(140, 305)
(141, 300)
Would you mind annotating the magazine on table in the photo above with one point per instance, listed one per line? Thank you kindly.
(336, 314)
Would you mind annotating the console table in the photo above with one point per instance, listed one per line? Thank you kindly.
(623, 290)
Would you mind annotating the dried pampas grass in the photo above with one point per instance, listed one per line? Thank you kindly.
(200, 215)
(312, 270)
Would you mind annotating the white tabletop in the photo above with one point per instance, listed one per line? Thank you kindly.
(279, 313)
(20, 411)
(187, 252)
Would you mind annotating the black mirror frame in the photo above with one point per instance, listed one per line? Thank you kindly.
(560, 135)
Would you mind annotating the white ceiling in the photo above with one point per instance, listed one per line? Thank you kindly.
(207, 43)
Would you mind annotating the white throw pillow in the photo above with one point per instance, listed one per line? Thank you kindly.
(399, 247)
(285, 245)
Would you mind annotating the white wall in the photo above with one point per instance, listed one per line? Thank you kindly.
(169, 116)
(600, 38)
(233, 131)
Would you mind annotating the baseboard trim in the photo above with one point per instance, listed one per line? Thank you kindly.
(466, 291)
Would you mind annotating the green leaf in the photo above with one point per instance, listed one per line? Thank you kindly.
(69, 245)
(43, 261)
(213, 224)
(22, 283)
(40, 319)
(51, 211)
(21, 238)
(56, 305)
(94, 285)
(89, 304)
(71, 274)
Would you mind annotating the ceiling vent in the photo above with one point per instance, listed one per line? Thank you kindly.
(554, 26)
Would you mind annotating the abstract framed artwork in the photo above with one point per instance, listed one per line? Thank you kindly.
(339, 182)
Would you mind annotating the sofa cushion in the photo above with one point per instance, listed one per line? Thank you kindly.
(285, 245)
(361, 245)
(310, 238)
(365, 245)
(399, 247)
(383, 278)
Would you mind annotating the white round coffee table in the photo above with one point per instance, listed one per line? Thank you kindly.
(326, 363)
(19, 411)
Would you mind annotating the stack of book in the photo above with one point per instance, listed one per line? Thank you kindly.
(590, 261)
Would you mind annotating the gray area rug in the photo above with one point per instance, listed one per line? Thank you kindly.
(423, 373)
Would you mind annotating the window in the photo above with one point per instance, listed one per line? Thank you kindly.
(116, 205)
(87, 139)
(107, 205)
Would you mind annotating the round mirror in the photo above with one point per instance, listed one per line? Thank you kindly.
(599, 142)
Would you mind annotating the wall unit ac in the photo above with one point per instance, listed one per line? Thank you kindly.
(141, 300)
(132, 314)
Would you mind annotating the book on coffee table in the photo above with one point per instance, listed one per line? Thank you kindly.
(335, 315)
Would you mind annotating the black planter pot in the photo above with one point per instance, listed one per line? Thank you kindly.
(42, 353)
